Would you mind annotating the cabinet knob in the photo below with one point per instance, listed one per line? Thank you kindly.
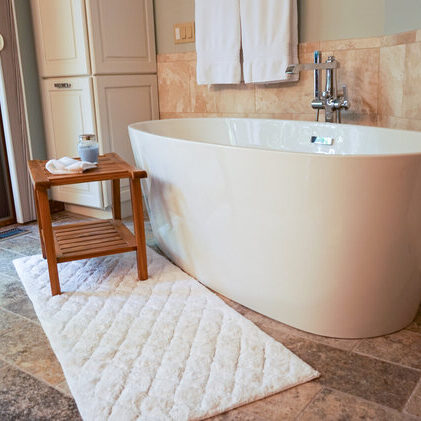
(62, 85)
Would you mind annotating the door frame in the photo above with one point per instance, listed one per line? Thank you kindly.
(13, 111)
(12, 218)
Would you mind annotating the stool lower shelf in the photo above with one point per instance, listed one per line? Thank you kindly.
(92, 239)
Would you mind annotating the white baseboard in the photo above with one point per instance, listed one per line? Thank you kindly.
(126, 210)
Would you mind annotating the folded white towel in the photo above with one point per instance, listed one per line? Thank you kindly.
(269, 32)
(218, 41)
(67, 165)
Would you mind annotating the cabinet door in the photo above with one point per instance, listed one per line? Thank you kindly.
(120, 101)
(61, 37)
(69, 112)
(121, 35)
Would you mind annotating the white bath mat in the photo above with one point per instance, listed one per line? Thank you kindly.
(162, 349)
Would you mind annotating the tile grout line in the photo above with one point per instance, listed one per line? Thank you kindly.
(22, 317)
(43, 381)
(388, 408)
(309, 403)
(418, 370)
(418, 385)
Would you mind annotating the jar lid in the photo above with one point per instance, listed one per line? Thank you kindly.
(84, 137)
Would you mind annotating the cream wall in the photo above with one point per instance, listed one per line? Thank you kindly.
(321, 20)
(318, 19)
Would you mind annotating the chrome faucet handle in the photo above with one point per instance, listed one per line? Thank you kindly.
(345, 103)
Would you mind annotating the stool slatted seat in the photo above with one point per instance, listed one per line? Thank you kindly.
(84, 240)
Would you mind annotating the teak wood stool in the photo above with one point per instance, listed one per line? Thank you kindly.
(94, 238)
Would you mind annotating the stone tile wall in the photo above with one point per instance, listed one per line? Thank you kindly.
(383, 76)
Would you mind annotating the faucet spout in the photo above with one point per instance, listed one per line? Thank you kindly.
(327, 100)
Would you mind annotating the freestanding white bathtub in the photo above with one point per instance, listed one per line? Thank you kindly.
(325, 238)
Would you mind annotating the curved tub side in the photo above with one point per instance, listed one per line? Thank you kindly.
(329, 246)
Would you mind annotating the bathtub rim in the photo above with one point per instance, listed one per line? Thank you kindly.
(308, 154)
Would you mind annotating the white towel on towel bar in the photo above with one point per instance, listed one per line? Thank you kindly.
(218, 41)
(269, 33)
(266, 29)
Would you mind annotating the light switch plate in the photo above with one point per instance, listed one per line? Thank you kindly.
(184, 33)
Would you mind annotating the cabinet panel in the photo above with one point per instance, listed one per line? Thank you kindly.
(68, 112)
(120, 101)
(61, 37)
(121, 34)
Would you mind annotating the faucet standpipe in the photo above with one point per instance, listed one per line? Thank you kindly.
(328, 99)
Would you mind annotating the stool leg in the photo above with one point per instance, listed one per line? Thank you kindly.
(139, 228)
(39, 225)
(116, 199)
(50, 251)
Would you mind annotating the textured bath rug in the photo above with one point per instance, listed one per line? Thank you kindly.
(163, 349)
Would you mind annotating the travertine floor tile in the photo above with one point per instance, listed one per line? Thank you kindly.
(7, 321)
(414, 404)
(374, 380)
(6, 265)
(24, 398)
(282, 406)
(332, 405)
(415, 326)
(24, 307)
(24, 244)
(25, 345)
(11, 288)
(402, 347)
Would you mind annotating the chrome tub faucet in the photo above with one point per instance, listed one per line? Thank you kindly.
(330, 99)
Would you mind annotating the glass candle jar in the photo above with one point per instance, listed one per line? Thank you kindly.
(87, 148)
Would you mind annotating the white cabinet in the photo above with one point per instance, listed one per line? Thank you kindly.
(114, 81)
(61, 37)
(120, 101)
(68, 112)
(121, 34)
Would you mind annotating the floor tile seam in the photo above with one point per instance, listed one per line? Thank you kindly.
(40, 379)
(12, 278)
(302, 410)
(21, 317)
(385, 407)
(65, 393)
(363, 354)
(13, 252)
(410, 397)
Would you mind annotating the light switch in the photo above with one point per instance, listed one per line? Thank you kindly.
(184, 33)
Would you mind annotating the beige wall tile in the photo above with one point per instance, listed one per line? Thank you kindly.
(401, 38)
(384, 85)
(412, 84)
(359, 71)
(308, 47)
(391, 80)
(351, 44)
(287, 98)
(234, 98)
(171, 57)
(202, 96)
(174, 87)
(164, 116)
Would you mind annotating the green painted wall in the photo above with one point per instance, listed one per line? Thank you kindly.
(318, 19)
